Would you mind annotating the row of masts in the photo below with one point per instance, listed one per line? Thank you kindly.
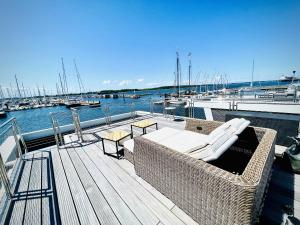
(217, 80)
(62, 88)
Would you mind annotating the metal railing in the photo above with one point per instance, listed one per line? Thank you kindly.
(55, 117)
(60, 119)
(76, 121)
(8, 130)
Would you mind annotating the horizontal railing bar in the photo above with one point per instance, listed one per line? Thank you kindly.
(8, 121)
(3, 132)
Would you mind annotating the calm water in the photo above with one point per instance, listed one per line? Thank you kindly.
(37, 119)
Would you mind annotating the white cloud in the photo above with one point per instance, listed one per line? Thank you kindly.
(153, 84)
(124, 82)
(106, 82)
(140, 80)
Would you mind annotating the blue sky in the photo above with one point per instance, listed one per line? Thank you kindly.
(132, 44)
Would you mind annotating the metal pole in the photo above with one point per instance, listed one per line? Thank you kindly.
(76, 121)
(19, 150)
(151, 106)
(59, 134)
(18, 131)
(4, 179)
(54, 130)
(132, 112)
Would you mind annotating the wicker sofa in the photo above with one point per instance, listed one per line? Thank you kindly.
(229, 190)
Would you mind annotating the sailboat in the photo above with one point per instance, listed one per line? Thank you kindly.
(177, 94)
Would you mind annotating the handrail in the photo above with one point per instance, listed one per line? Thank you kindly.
(17, 137)
(6, 122)
(3, 132)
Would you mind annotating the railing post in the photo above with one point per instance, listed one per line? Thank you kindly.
(18, 131)
(61, 141)
(76, 121)
(54, 130)
(4, 179)
(19, 150)
(107, 115)
(151, 106)
(132, 110)
(193, 109)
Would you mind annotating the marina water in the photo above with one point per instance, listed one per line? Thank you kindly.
(38, 119)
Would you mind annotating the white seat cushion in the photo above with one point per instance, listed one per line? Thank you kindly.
(185, 141)
(129, 144)
(155, 136)
(161, 134)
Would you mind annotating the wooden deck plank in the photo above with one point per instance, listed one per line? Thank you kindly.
(183, 216)
(33, 213)
(144, 215)
(46, 187)
(129, 168)
(19, 200)
(120, 208)
(5, 202)
(103, 208)
(67, 210)
(83, 205)
(152, 203)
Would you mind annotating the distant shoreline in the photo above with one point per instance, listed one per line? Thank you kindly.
(183, 86)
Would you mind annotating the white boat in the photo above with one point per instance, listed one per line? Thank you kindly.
(3, 114)
(285, 78)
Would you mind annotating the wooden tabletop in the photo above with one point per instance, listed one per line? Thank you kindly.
(144, 123)
(116, 135)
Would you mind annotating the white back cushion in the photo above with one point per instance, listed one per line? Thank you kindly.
(242, 127)
(212, 148)
(221, 150)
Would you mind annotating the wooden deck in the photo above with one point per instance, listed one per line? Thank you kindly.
(77, 184)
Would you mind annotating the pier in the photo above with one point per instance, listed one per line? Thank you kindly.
(77, 184)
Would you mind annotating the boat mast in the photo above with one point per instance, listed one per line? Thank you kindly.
(11, 91)
(19, 92)
(8, 94)
(38, 89)
(57, 90)
(62, 86)
(81, 87)
(190, 68)
(44, 92)
(64, 78)
(178, 74)
(294, 72)
(24, 94)
(1, 93)
(251, 85)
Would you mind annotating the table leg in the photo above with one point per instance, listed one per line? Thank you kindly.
(144, 130)
(156, 126)
(131, 129)
(103, 146)
(117, 150)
